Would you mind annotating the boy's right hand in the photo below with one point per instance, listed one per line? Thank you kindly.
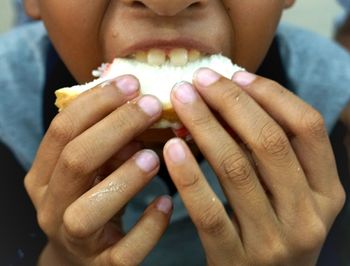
(79, 213)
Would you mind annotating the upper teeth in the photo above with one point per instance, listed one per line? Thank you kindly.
(176, 56)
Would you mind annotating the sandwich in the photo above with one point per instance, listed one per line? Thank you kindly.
(156, 79)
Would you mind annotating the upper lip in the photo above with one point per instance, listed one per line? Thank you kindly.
(168, 44)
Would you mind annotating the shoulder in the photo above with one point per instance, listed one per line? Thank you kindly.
(317, 68)
(298, 45)
(345, 4)
(32, 32)
(24, 44)
(23, 53)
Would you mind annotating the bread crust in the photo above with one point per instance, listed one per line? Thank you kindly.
(65, 96)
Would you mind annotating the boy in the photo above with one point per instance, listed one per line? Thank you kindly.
(88, 167)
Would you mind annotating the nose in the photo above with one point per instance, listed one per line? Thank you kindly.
(168, 7)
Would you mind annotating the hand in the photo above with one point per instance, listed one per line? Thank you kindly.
(281, 181)
(79, 213)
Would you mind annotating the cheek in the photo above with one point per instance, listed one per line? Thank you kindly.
(73, 27)
(254, 25)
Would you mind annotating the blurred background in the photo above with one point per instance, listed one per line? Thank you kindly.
(317, 15)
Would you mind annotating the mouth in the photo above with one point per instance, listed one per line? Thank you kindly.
(176, 52)
(175, 56)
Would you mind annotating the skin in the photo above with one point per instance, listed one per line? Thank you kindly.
(286, 149)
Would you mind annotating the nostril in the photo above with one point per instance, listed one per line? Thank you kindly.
(195, 5)
(138, 4)
(167, 8)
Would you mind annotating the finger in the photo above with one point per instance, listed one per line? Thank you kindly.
(305, 124)
(117, 160)
(88, 152)
(267, 141)
(218, 235)
(143, 237)
(237, 176)
(96, 207)
(89, 108)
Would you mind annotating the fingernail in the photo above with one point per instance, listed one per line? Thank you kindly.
(128, 85)
(243, 78)
(150, 105)
(147, 160)
(184, 92)
(206, 77)
(176, 151)
(164, 204)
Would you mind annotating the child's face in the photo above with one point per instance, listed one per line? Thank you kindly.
(87, 33)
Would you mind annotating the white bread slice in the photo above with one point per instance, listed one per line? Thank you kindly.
(154, 80)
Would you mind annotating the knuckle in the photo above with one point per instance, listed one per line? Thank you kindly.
(312, 238)
(318, 234)
(273, 141)
(73, 227)
(278, 253)
(237, 169)
(340, 198)
(271, 87)
(75, 160)
(122, 259)
(203, 121)
(122, 119)
(275, 86)
(45, 221)
(28, 184)
(212, 221)
(337, 199)
(129, 120)
(230, 95)
(313, 124)
(277, 256)
(153, 223)
(274, 252)
(103, 99)
(61, 128)
(32, 189)
(189, 181)
(269, 84)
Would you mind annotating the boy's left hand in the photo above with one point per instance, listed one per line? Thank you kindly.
(281, 181)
